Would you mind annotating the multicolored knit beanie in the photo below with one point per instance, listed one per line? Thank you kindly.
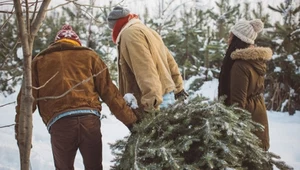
(67, 32)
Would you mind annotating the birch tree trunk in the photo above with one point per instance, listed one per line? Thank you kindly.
(27, 31)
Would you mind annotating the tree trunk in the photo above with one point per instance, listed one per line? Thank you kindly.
(27, 33)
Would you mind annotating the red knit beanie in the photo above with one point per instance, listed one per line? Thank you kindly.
(67, 32)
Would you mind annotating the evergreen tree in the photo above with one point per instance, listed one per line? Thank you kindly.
(89, 23)
(190, 136)
(264, 38)
(10, 64)
(223, 19)
(214, 41)
(283, 80)
(187, 40)
(48, 30)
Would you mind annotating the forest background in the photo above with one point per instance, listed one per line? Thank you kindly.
(194, 31)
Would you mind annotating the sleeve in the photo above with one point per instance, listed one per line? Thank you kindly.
(143, 66)
(239, 83)
(175, 73)
(109, 93)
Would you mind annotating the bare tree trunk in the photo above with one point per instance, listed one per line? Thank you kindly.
(27, 33)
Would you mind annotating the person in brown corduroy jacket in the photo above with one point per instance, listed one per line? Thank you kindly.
(79, 77)
(242, 74)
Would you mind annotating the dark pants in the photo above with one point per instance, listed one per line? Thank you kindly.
(77, 132)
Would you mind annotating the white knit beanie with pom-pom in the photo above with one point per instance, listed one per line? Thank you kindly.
(247, 30)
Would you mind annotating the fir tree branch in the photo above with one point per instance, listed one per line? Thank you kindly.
(136, 153)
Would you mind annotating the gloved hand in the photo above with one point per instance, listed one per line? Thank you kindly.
(182, 95)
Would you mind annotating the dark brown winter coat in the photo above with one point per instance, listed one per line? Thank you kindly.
(247, 85)
(59, 68)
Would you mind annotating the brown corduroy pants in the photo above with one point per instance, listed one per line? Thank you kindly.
(77, 132)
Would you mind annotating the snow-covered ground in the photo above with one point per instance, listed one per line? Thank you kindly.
(284, 134)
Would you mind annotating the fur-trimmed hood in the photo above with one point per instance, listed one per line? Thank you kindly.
(253, 53)
(255, 56)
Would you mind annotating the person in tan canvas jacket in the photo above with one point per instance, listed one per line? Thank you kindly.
(73, 119)
(146, 67)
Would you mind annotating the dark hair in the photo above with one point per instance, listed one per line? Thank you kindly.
(224, 77)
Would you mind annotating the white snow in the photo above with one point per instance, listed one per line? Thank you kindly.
(283, 136)
(20, 53)
(277, 69)
(290, 58)
(278, 41)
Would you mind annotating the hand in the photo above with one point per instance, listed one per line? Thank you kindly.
(182, 95)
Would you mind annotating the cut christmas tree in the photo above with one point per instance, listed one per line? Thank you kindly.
(194, 135)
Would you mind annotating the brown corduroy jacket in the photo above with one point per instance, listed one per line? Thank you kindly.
(63, 66)
(247, 85)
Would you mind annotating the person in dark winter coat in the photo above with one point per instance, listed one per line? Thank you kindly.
(69, 81)
(242, 74)
(146, 67)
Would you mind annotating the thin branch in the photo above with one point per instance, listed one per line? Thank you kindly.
(4, 46)
(83, 5)
(60, 5)
(7, 126)
(39, 18)
(37, 88)
(6, 12)
(65, 93)
(34, 11)
(7, 55)
(89, 15)
(10, 12)
(7, 20)
(8, 79)
(8, 104)
(27, 16)
(8, 2)
(3, 63)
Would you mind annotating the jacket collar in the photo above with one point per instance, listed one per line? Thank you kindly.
(61, 46)
(130, 22)
(253, 53)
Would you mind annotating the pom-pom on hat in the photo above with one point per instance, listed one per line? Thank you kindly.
(117, 13)
(67, 32)
(247, 30)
